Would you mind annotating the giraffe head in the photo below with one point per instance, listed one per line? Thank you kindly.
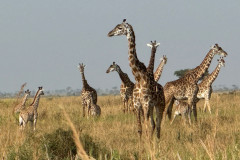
(27, 92)
(153, 44)
(218, 50)
(113, 67)
(221, 62)
(81, 67)
(120, 29)
(40, 91)
(164, 59)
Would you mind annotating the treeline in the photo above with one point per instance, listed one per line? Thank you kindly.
(64, 92)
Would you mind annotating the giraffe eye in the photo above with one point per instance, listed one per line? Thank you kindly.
(120, 28)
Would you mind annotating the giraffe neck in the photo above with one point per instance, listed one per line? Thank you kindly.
(197, 73)
(138, 68)
(159, 70)
(24, 99)
(150, 67)
(84, 81)
(36, 100)
(123, 76)
(211, 78)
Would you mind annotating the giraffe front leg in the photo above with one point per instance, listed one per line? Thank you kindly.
(192, 104)
(34, 124)
(209, 107)
(83, 105)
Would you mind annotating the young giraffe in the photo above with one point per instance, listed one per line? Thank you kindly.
(93, 108)
(147, 93)
(21, 105)
(153, 46)
(183, 109)
(158, 72)
(186, 87)
(205, 86)
(30, 113)
(126, 88)
(85, 89)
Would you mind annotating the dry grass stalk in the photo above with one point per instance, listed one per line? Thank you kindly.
(207, 150)
(80, 150)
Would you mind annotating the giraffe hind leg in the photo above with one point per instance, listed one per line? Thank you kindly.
(169, 108)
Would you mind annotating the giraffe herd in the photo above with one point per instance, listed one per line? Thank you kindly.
(145, 95)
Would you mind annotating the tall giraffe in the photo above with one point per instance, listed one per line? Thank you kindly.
(147, 93)
(21, 105)
(158, 72)
(30, 113)
(86, 89)
(186, 87)
(205, 86)
(126, 88)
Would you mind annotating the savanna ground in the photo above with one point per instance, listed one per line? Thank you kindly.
(114, 134)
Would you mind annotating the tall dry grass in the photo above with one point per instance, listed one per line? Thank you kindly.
(114, 134)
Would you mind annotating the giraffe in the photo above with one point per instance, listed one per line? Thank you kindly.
(183, 109)
(205, 86)
(126, 88)
(153, 46)
(158, 72)
(21, 105)
(30, 113)
(93, 108)
(146, 93)
(85, 89)
(186, 87)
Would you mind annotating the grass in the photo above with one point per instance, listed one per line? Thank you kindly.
(61, 132)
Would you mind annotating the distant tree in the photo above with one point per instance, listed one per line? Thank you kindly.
(182, 72)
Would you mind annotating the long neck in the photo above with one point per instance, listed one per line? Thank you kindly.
(24, 99)
(159, 70)
(197, 73)
(150, 67)
(211, 78)
(36, 102)
(138, 68)
(123, 76)
(84, 81)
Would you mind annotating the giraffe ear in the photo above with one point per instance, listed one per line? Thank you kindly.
(124, 20)
(158, 44)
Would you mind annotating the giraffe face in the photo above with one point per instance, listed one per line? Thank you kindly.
(164, 59)
(221, 62)
(218, 50)
(113, 67)
(81, 67)
(120, 29)
(28, 92)
(41, 91)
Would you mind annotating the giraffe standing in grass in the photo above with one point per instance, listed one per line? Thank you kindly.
(205, 86)
(30, 113)
(183, 109)
(158, 72)
(187, 87)
(86, 89)
(21, 105)
(126, 88)
(93, 108)
(147, 93)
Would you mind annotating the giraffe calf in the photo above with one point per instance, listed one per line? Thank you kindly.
(183, 109)
(93, 108)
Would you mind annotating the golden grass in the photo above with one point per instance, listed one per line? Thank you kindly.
(215, 136)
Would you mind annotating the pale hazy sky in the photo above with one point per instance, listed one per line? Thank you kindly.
(42, 42)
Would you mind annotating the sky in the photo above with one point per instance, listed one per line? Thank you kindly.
(42, 42)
